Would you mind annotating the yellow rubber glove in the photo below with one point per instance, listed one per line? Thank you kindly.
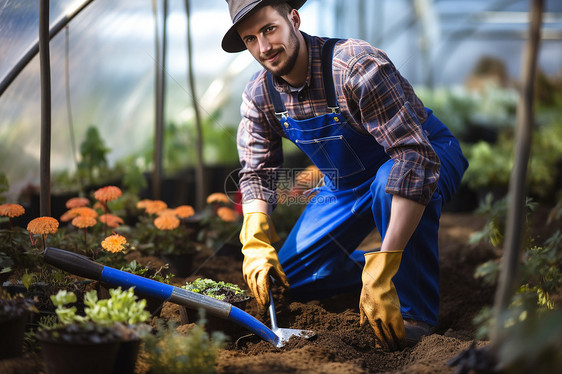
(260, 258)
(379, 302)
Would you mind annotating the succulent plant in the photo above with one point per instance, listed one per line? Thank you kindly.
(216, 289)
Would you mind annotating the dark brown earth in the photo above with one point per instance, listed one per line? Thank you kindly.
(341, 345)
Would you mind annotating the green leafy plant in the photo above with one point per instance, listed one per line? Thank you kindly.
(496, 213)
(491, 164)
(170, 351)
(118, 318)
(134, 267)
(532, 324)
(219, 290)
(122, 306)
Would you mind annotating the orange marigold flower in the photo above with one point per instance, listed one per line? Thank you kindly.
(83, 211)
(184, 211)
(217, 197)
(11, 210)
(66, 216)
(77, 202)
(166, 211)
(227, 214)
(155, 206)
(107, 193)
(43, 225)
(114, 243)
(83, 222)
(167, 222)
(111, 220)
(142, 204)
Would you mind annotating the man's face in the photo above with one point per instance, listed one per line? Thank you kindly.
(271, 39)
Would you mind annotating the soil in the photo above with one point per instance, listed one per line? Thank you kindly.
(341, 345)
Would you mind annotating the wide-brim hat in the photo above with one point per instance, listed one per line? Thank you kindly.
(239, 11)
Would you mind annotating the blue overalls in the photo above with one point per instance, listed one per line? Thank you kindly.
(319, 256)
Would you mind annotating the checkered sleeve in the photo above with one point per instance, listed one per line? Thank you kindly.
(391, 112)
(259, 148)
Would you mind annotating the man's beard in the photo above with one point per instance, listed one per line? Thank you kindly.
(293, 47)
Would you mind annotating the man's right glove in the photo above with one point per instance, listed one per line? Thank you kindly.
(260, 258)
(379, 302)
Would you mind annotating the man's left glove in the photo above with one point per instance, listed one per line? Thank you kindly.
(379, 302)
(260, 258)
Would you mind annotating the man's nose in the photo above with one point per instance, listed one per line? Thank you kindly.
(264, 43)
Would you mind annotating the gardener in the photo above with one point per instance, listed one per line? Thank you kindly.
(387, 161)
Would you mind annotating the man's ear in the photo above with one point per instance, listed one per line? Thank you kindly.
(295, 19)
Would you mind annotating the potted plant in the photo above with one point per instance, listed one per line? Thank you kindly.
(161, 231)
(153, 304)
(220, 225)
(93, 342)
(14, 312)
(224, 291)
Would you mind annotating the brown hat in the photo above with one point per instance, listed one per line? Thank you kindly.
(239, 10)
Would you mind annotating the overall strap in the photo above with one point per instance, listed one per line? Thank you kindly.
(329, 89)
(275, 97)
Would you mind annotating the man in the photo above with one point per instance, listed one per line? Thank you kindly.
(388, 162)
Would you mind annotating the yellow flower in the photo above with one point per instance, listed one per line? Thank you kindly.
(107, 193)
(43, 226)
(77, 202)
(167, 222)
(184, 211)
(11, 210)
(217, 197)
(155, 206)
(227, 214)
(111, 220)
(114, 243)
(83, 222)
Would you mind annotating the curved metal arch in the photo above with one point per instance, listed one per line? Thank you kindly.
(34, 49)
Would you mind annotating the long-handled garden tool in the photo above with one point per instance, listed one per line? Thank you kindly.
(85, 267)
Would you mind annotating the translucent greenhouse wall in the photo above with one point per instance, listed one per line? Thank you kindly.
(111, 64)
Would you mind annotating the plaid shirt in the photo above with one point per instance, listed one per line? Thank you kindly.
(372, 96)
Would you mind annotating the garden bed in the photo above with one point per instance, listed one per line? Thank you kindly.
(341, 345)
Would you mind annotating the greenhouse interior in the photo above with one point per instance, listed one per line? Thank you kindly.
(119, 149)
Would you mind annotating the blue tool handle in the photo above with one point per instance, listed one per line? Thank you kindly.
(85, 267)
(144, 286)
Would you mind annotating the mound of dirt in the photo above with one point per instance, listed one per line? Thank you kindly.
(341, 345)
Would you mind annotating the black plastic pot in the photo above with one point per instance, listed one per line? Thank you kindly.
(11, 332)
(181, 265)
(127, 355)
(72, 358)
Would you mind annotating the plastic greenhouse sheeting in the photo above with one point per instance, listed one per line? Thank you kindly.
(111, 49)
(111, 75)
